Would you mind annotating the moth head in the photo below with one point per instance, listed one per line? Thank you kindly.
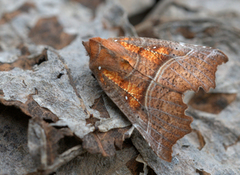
(104, 54)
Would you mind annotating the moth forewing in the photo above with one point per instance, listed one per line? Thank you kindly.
(146, 79)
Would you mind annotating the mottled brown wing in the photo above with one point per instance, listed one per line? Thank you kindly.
(178, 66)
(173, 68)
(146, 79)
(166, 122)
(159, 116)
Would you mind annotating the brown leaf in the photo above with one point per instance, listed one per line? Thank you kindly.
(32, 109)
(24, 62)
(48, 142)
(52, 136)
(200, 139)
(23, 9)
(211, 102)
(100, 107)
(92, 120)
(229, 145)
(48, 31)
(50, 146)
(134, 166)
(105, 143)
(202, 172)
(186, 32)
(24, 49)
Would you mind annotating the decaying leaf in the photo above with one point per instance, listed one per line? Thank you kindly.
(24, 62)
(105, 143)
(23, 9)
(100, 106)
(49, 91)
(32, 90)
(202, 172)
(46, 144)
(211, 102)
(48, 31)
(32, 108)
(200, 139)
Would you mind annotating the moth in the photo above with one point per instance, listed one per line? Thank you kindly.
(146, 79)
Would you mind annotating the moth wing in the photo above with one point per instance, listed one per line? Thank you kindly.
(166, 122)
(175, 65)
(169, 69)
(189, 72)
(159, 116)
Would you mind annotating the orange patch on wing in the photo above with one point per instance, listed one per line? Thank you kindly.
(125, 65)
(156, 57)
(135, 92)
(125, 39)
(130, 47)
(150, 56)
(161, 50)
(133, 102)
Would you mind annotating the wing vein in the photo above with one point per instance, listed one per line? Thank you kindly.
(167, 101)
(183, 78)
(192, 73)
(164, 112)
(201, 72)
(200, 65)
(176, 127)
